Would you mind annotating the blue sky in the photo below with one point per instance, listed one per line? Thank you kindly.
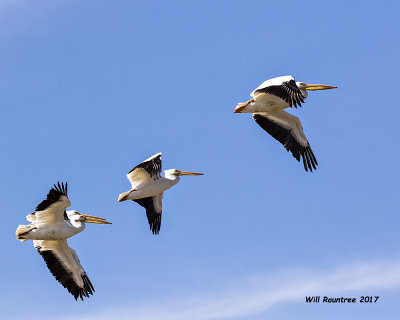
(91, 88)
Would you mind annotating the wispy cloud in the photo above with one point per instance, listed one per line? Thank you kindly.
(255, 295)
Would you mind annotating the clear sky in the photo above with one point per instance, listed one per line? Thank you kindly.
(91, 88)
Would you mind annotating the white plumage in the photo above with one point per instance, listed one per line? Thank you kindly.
(148, 187)
(50, 227)
(269, 100)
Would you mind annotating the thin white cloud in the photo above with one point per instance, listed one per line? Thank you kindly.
(258, 294)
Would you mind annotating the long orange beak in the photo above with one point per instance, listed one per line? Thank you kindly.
(318, 87)
(92, 219)
(187, 173)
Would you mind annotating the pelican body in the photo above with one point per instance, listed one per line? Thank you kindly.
(51, 226)
(152, 187)
(267, 104)
(148, 187)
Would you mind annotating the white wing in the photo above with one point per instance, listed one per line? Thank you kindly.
(53, 207)
(64, 264)
(272, 82)
(148, 169)
(287, 129)
(284, 88)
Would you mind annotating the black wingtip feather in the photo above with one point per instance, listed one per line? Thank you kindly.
(153, 167)
(65, 277)
(53, 196)
(287, 140)
(288, 91)
(155, 224)
(153, 217)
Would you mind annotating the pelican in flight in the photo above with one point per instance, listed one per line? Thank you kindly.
(267, 104)
(148, 187)
(51, 226)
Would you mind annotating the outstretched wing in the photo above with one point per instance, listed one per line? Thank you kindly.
(52, 209)
(148, 169)
(283, 87)
(64, 264)
(287, 129)
(153, 206)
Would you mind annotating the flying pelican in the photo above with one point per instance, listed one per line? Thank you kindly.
(148, 187)
(267, 105)
(50, 228)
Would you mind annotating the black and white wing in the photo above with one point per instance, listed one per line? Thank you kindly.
(52, 209)
(283, 87)
(148, 169)
(153, 206)
(287, 129)
(64, 264)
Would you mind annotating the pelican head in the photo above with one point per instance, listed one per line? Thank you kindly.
(313, 87)
(75, 216)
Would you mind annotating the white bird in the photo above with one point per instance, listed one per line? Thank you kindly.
(267, 104)
(148, 187)
(51, 226)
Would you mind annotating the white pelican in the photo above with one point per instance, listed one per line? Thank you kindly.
(148, 187)
(267, 105)
(50, 228)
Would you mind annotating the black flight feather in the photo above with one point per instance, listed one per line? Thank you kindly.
(287, 91)
(65, 277)
(285, 137)
(152, 166)
(153, 216)
(53, 196)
